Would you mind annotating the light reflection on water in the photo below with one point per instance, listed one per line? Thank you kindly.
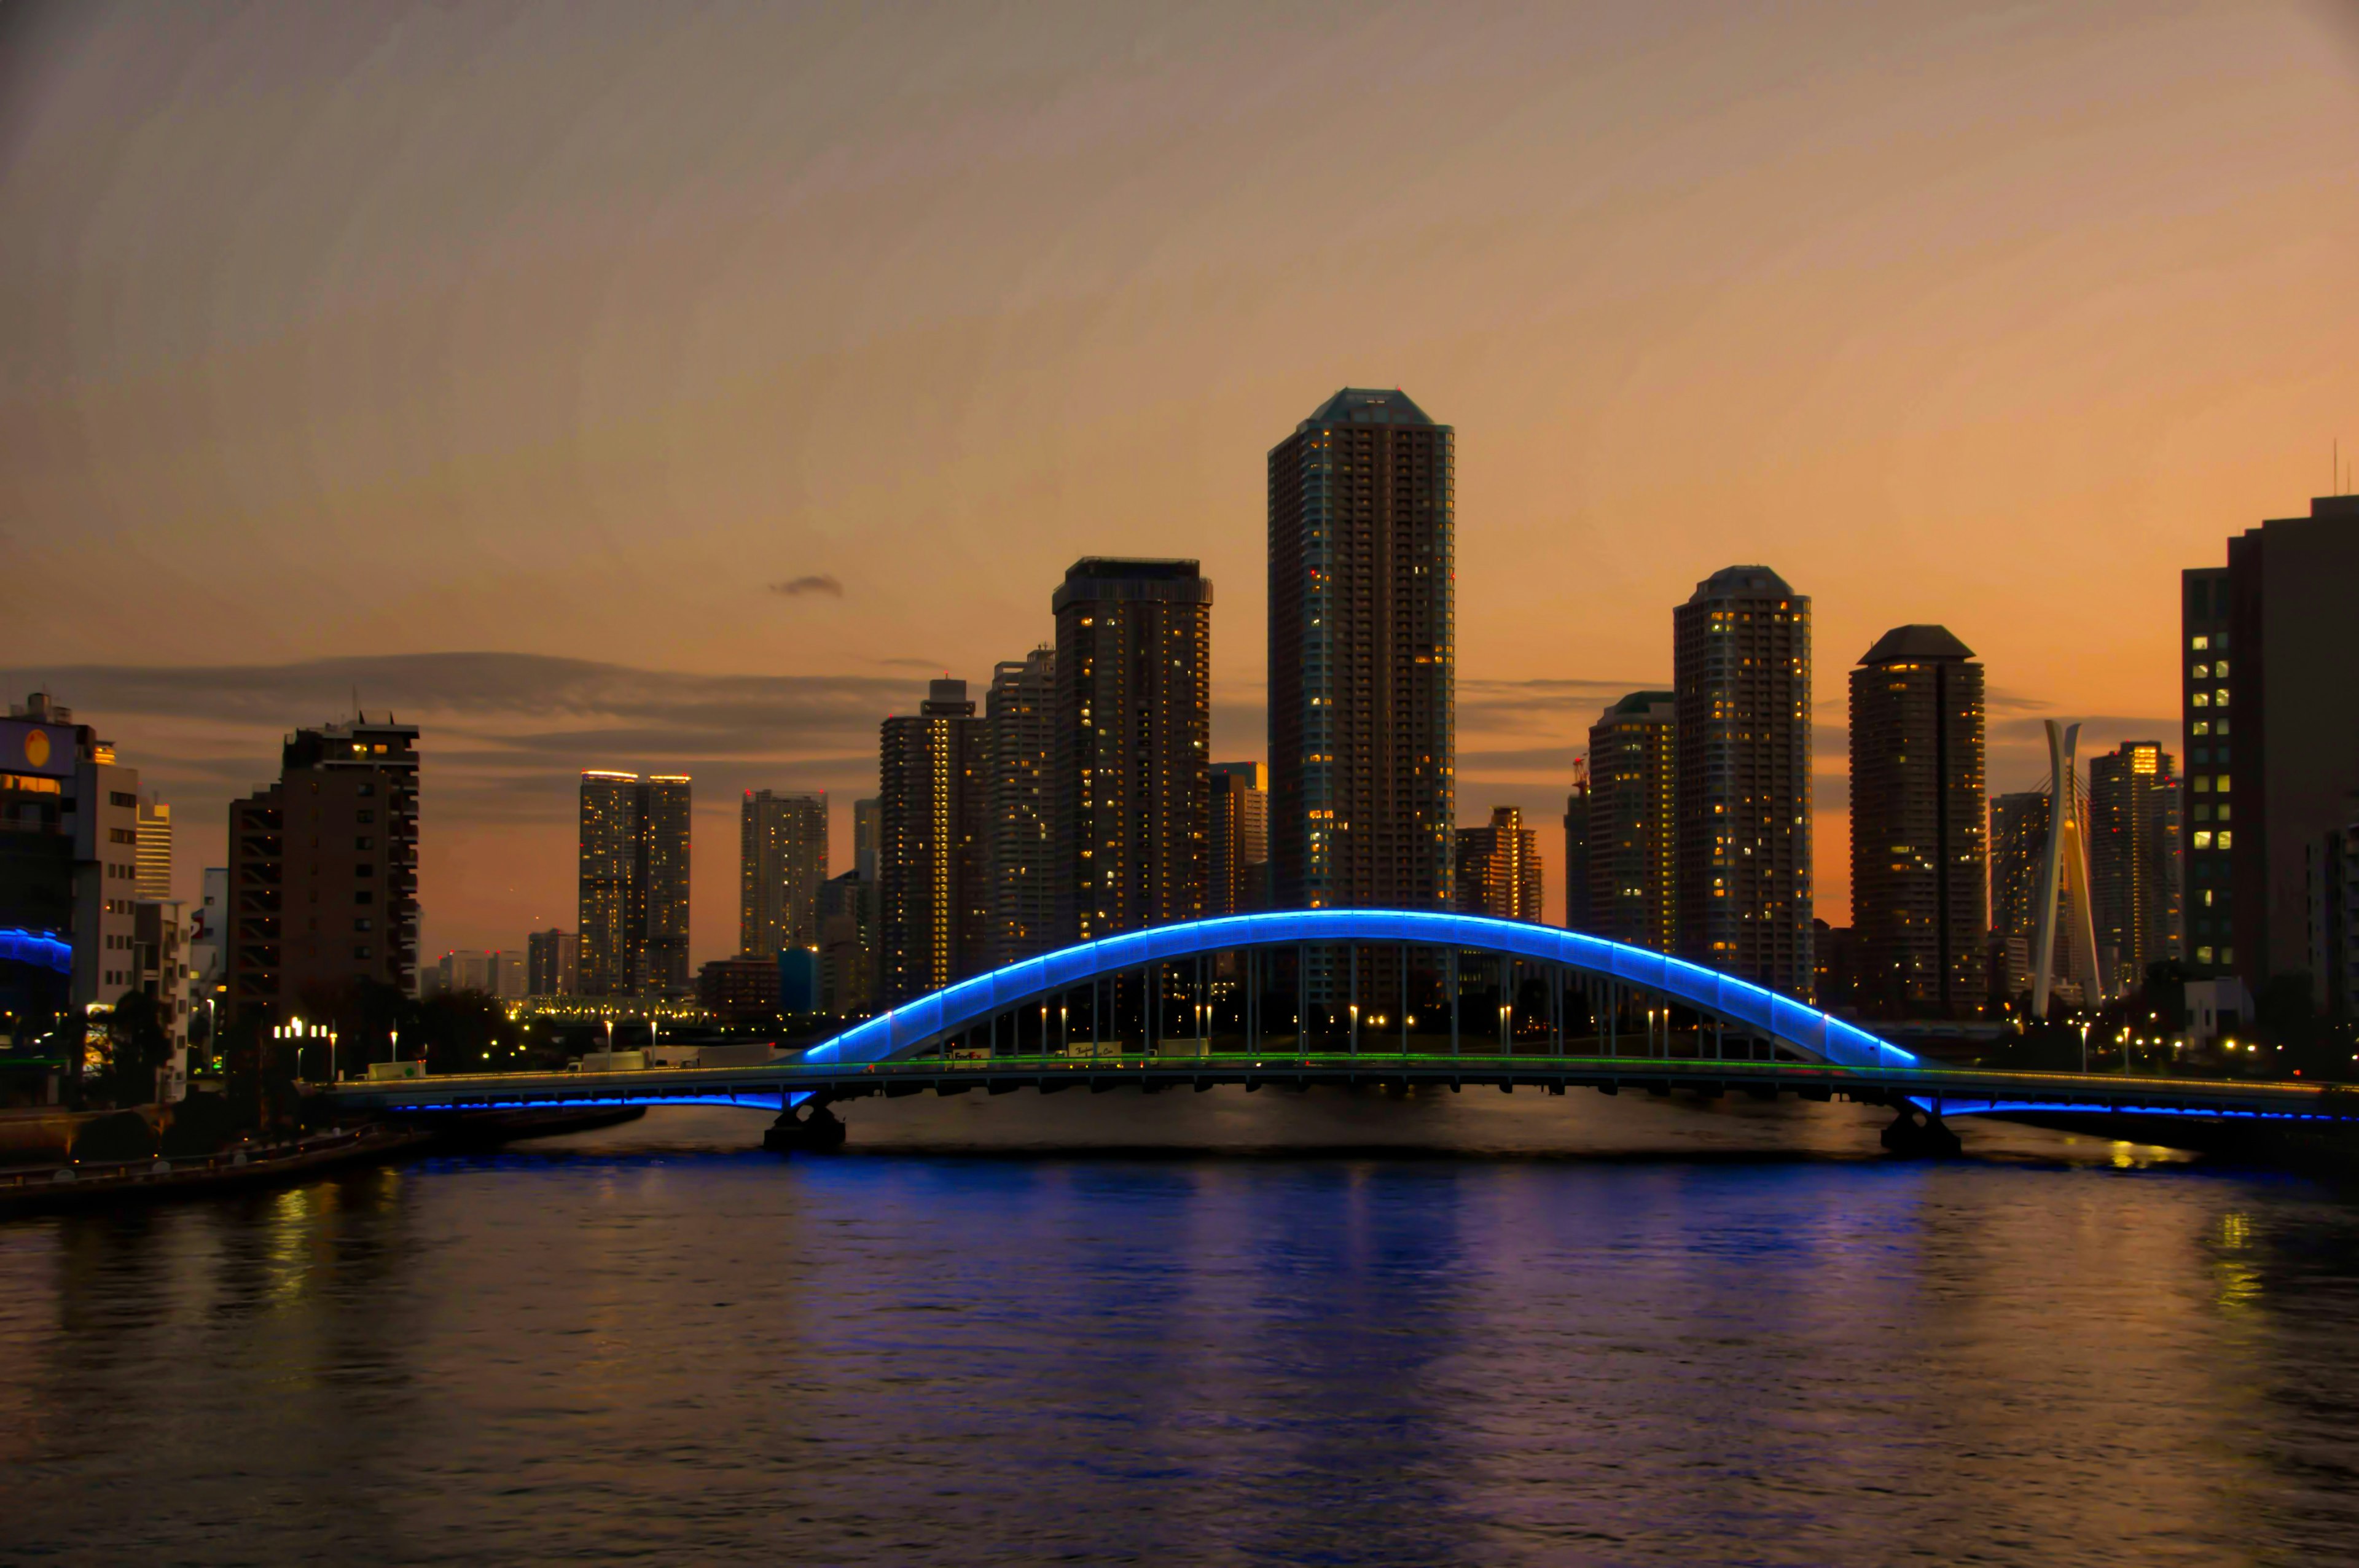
(1202, 1328)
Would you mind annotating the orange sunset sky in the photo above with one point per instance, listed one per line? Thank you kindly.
(507, 365)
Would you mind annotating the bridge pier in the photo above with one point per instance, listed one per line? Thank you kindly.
(816, 1130)
(1918, 1135)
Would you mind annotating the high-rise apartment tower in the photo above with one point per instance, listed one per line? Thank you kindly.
(323, 870)
(634, 868)
(933, 845)
(1633, 828)
(1237, 880)
(1363, 656)
(2133, 858)
(1499, 868)
(2272, 720)
(1741, 669)
(1919, 857)
(1021, 714)
(781, 861)
(1133, 739)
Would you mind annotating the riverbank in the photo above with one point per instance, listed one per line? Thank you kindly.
(51, 1187)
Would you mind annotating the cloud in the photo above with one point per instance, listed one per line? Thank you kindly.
(818, 582)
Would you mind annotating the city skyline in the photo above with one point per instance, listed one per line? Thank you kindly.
(1907, 345)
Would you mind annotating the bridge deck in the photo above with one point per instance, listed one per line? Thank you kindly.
(1954, 1091)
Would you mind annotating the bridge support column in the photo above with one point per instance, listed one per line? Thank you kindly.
(1920, 1134)
(811, 1129)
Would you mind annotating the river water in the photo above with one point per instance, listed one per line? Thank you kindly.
(1221, 1328)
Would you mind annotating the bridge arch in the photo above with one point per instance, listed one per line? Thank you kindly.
(925, 1023)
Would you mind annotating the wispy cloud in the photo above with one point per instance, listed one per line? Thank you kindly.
(818, 582)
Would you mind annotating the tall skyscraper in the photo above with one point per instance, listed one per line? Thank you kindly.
(1741, 667)
(1919, 859)
(2133, 858)
(1498, 872)
(2272, 737)
(1633, 831)
(633, 869)
(1237, 880)
(933, 856)
(1363, 656)
(1133, 741)
(1021, 712)
(781, 861)
(155, 849)
(323, 870)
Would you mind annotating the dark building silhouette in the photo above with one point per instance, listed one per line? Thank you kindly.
(1020, 711)
(1741, 670)
(1133, 741)
(552, 962)
(633, 881)
(2272, 718)
(1238, 870)
(933, 853)
(323, 870)
(1576, 850)
(2133, 858)
(1499, 872)
(1919, 859)
(1362, 653)
(1632, 894)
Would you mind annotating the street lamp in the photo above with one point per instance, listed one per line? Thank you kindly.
(2084, 1048)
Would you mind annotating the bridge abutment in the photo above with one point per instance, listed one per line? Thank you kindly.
(811, 1129)
(1920, 1135)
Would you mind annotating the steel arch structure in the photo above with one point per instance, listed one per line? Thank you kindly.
(924, 1025)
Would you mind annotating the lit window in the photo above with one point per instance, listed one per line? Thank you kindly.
(2199, 643)
(2202, 672)
(2224, 837)
(2204, 839)
(2203, 955)
(2199, 700)
(2220, 669)
(2220, 698)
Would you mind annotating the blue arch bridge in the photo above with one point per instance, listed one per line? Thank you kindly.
(1390, 998)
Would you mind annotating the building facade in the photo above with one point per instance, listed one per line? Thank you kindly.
(1741, 670)
(1237, 870)
(155, 832)
(1919, 853)
(2134, 855)
(782, 861)
(323, 870)
(1133, 745)
(2272, 719)
(1020, 711)
(933, 856)
(633, 883)
(552, 962)
(1498, 871)
(1632, 894)
(1363, 656)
